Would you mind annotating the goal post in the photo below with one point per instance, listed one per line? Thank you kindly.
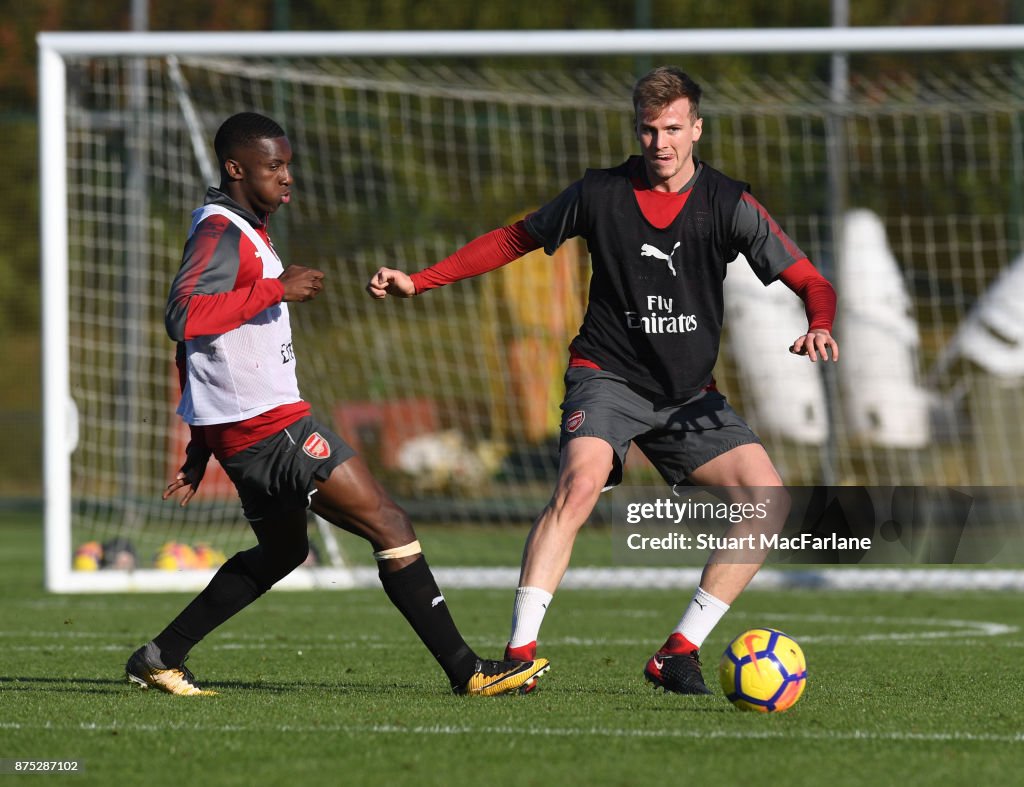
(410, 144)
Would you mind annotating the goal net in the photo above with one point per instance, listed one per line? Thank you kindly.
(905, 191)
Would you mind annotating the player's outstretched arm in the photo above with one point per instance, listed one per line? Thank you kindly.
(816, 343)
(388, 281)
(491, 250)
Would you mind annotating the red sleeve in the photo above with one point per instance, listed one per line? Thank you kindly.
(224, 311)
(220, 283)
(817, 294)
(492, 250)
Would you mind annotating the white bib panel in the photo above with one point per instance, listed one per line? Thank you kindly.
(249, 370)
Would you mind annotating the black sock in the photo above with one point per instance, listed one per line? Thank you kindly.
(233, 587)
(413, 590)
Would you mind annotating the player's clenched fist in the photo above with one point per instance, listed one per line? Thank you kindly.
(301, 283)
(388, 281)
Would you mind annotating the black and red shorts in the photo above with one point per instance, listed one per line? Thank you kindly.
(677, 437)
(279, 474)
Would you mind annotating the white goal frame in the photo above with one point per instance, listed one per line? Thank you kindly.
(59, 416)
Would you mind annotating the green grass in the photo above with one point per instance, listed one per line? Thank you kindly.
(332, 688)
(490, 546)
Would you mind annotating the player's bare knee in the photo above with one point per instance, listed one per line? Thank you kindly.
(772, 502)
(577, 496)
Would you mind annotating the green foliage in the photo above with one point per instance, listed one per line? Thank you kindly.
(19, 236)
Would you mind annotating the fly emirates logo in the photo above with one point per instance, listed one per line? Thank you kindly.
(660, 318)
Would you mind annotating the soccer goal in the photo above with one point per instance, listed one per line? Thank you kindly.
(903, 185)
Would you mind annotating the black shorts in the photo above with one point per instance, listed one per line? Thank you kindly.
(677, 438)
(279, 474)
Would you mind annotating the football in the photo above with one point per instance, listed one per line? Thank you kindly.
(763, 670)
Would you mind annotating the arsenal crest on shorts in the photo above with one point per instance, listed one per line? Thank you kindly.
(574, 421)
(316, 446)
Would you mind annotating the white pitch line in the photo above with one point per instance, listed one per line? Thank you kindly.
(812, 578)
(307, 649)
(558, 732)
(57, 634)
(942, 628)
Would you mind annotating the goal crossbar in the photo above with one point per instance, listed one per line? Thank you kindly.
(551, 42)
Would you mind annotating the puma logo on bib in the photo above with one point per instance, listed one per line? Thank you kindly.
(647, 250)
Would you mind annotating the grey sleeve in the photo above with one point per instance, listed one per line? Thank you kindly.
(209, 265)
(555, 222)
(760, 239)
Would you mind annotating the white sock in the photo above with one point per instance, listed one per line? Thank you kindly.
(527, 614)
(700, 617)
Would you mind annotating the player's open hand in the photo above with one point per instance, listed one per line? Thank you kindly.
(190, 475)
(816, 344)
(388, 281)
(300, 283)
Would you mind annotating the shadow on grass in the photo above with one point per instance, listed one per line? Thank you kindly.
(9, 683)
(375, 689)
(684, 707)
(103, 685)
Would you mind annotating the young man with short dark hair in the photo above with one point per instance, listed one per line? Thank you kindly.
(228, 311)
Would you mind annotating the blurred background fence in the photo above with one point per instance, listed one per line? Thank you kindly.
(904, 188)
(453, 397)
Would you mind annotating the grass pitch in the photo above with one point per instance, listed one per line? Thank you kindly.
(333, 688)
